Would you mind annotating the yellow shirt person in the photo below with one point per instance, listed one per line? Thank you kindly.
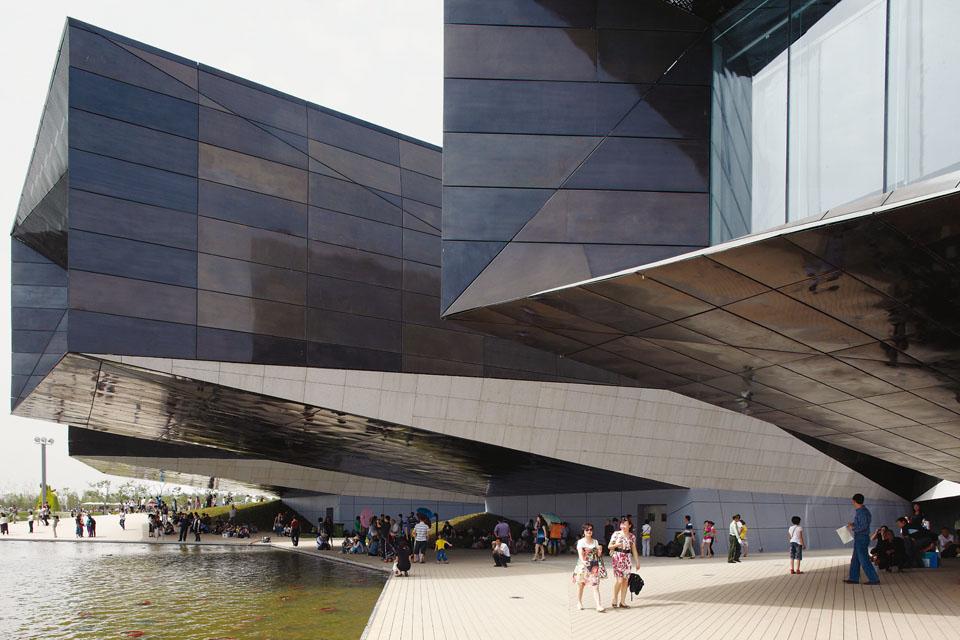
(441, 546)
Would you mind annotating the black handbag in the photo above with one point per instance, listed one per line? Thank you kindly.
(634, 584)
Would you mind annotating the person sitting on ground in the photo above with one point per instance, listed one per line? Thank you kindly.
(402, 564)
(926, 542)
(323, 541)
(501, 553)
(890, 552)
(947, 544)
(912, 556)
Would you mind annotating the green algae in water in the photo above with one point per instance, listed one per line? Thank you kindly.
(80, 591)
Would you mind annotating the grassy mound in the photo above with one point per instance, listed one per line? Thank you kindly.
(259, 514)
(483, 522)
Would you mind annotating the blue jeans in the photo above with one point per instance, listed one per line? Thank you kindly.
(861, 559)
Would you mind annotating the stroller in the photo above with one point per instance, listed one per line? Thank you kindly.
(390, 548)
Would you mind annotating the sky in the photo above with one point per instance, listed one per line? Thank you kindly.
(379, 60)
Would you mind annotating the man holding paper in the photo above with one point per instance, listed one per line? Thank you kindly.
(860, 527)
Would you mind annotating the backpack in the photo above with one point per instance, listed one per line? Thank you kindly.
(634, 584)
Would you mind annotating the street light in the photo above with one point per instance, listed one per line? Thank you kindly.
(43, 442)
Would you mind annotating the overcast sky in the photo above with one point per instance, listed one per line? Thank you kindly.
(380, 60)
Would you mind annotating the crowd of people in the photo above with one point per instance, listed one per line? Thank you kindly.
(905, 545)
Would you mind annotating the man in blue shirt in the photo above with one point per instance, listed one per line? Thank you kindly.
(860, 527)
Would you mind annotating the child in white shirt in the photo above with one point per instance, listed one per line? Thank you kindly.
(797, 543)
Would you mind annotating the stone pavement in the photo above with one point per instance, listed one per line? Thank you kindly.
(470, 599)
(757, 599)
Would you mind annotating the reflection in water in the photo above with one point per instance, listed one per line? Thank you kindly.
(94, 591)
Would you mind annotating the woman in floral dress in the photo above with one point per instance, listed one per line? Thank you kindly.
(623, 545)
(587, 571)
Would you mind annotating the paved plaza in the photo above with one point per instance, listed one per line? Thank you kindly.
(470, 598)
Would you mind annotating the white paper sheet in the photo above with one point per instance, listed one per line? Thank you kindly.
(845, 535)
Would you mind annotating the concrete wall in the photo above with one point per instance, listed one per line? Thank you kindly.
(767, 514)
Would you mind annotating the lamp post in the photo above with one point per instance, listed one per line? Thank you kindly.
(43, 442)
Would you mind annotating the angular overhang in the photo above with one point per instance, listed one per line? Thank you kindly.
(124, 400)
(843, 328)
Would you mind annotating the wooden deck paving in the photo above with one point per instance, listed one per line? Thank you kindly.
(757, 599)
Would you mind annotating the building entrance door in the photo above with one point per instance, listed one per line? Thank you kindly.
(657, 515)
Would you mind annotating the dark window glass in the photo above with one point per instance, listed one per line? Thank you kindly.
(353, 330)
(421, 247)
(38, 297)
(421, 159)
(507, 354)
(120, 335)
(623, 217)
(473, 213)
(106, 176)
(135, 298)
(519, 53)
(30, 341)
(422, 278)
(628, 14)
(643, 56)
(252, 244)
(353, 136)
(338, 356)
(360, 298)
(543, 13)
(495, 160)
(237, 313)
(417, 186)
(424, 309)
(669, 111)
(132, 104)
(355, 199)
(233, 132)
(24, 363)
(36, 319)
(251, 208)
(133, 143)
(235, 346)
(357, 233)
(438, 367)
(249, 172)
(353, 264)
(646, 165)
(248, 102)
(439, 343)
(351, 166)
(120, 257)
(36, 273)
(95, 53)
(132, 220)
(507, 106)
(250, 279)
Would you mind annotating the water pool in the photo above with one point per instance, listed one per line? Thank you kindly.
(73, 591)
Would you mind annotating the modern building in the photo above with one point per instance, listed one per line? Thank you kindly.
(677, 257)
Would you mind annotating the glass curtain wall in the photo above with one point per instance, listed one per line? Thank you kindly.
(817, 103)
(923, 137)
